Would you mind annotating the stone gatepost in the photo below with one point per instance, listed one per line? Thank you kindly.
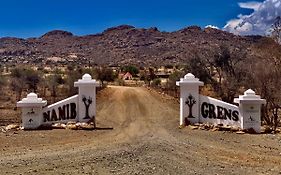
(250, 110)
(86, 98)
(32, 115)
(189, 98)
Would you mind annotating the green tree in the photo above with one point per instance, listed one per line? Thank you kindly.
(199, 68)
(148, 75)
(228, 74)
(265, 76)
(171, 83)
(32, 79)
(90, 71)
(105, 74)
(169, 66)
(24, 78)
(28, 76)
(72, 76)
(2, 83)
(54, 80)
(132, 69)
(156, 82)
(17, 85)
(1, 69)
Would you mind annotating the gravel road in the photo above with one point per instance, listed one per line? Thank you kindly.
(145, 139)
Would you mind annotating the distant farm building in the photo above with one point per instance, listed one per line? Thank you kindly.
(126, 76)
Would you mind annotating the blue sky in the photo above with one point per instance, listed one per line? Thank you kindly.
(32, 18)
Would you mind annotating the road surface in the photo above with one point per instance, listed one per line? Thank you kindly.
(145, 139)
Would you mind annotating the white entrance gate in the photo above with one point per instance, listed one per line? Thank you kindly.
(80, 107)
(197, 108)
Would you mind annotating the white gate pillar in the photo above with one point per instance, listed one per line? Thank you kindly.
(86, 98)
(250, 110)
(189, 98)
(32, 115)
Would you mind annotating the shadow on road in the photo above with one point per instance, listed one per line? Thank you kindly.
(104, 128)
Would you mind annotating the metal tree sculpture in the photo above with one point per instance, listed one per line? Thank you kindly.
(190, 101)
(87, 103)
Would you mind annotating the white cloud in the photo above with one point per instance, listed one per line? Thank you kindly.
(258, 22)
(212, 26)
(231, 26)
(250, 5)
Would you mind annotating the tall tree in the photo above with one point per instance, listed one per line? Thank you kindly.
(132, 69)
(148, 75)
(265, 77)
(54, 80)
(29, 77)
(200, 68)
(171, 83)
(24, 78)
(73, 74)
(229, 73)
(105, 74)
(2, 83)
(32, 79)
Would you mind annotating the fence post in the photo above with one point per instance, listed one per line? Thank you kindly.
(32, 115)
(86, 98)
(189, 98)
(250, 110)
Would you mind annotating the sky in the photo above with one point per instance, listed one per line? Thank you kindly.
(259, 22)
(33, 18)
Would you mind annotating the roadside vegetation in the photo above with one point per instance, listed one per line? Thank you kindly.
(226, 75)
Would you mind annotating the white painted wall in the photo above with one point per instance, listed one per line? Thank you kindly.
(70, 109)
(62, 104)
(87, 90)
(250, 109)
(31, 117)
(246, 116)
(189, 85)
(184, 111)
(219, 103)
(251, 116)
(31, 111)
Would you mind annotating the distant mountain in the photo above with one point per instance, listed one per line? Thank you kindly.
(123, 45)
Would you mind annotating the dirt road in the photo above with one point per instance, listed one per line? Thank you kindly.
(145, 139)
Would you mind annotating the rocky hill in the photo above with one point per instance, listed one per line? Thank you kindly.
(122, 45)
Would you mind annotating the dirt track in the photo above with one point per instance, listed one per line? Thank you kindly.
(145, 140)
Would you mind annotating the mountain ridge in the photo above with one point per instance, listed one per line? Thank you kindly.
(121, 45)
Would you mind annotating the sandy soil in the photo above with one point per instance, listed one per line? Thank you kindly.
(145, 139)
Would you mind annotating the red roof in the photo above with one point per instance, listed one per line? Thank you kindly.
(127, 76)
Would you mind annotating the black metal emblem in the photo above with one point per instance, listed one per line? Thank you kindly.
(190, 101)
(87, 102)
(251, 118)
(31, 112)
